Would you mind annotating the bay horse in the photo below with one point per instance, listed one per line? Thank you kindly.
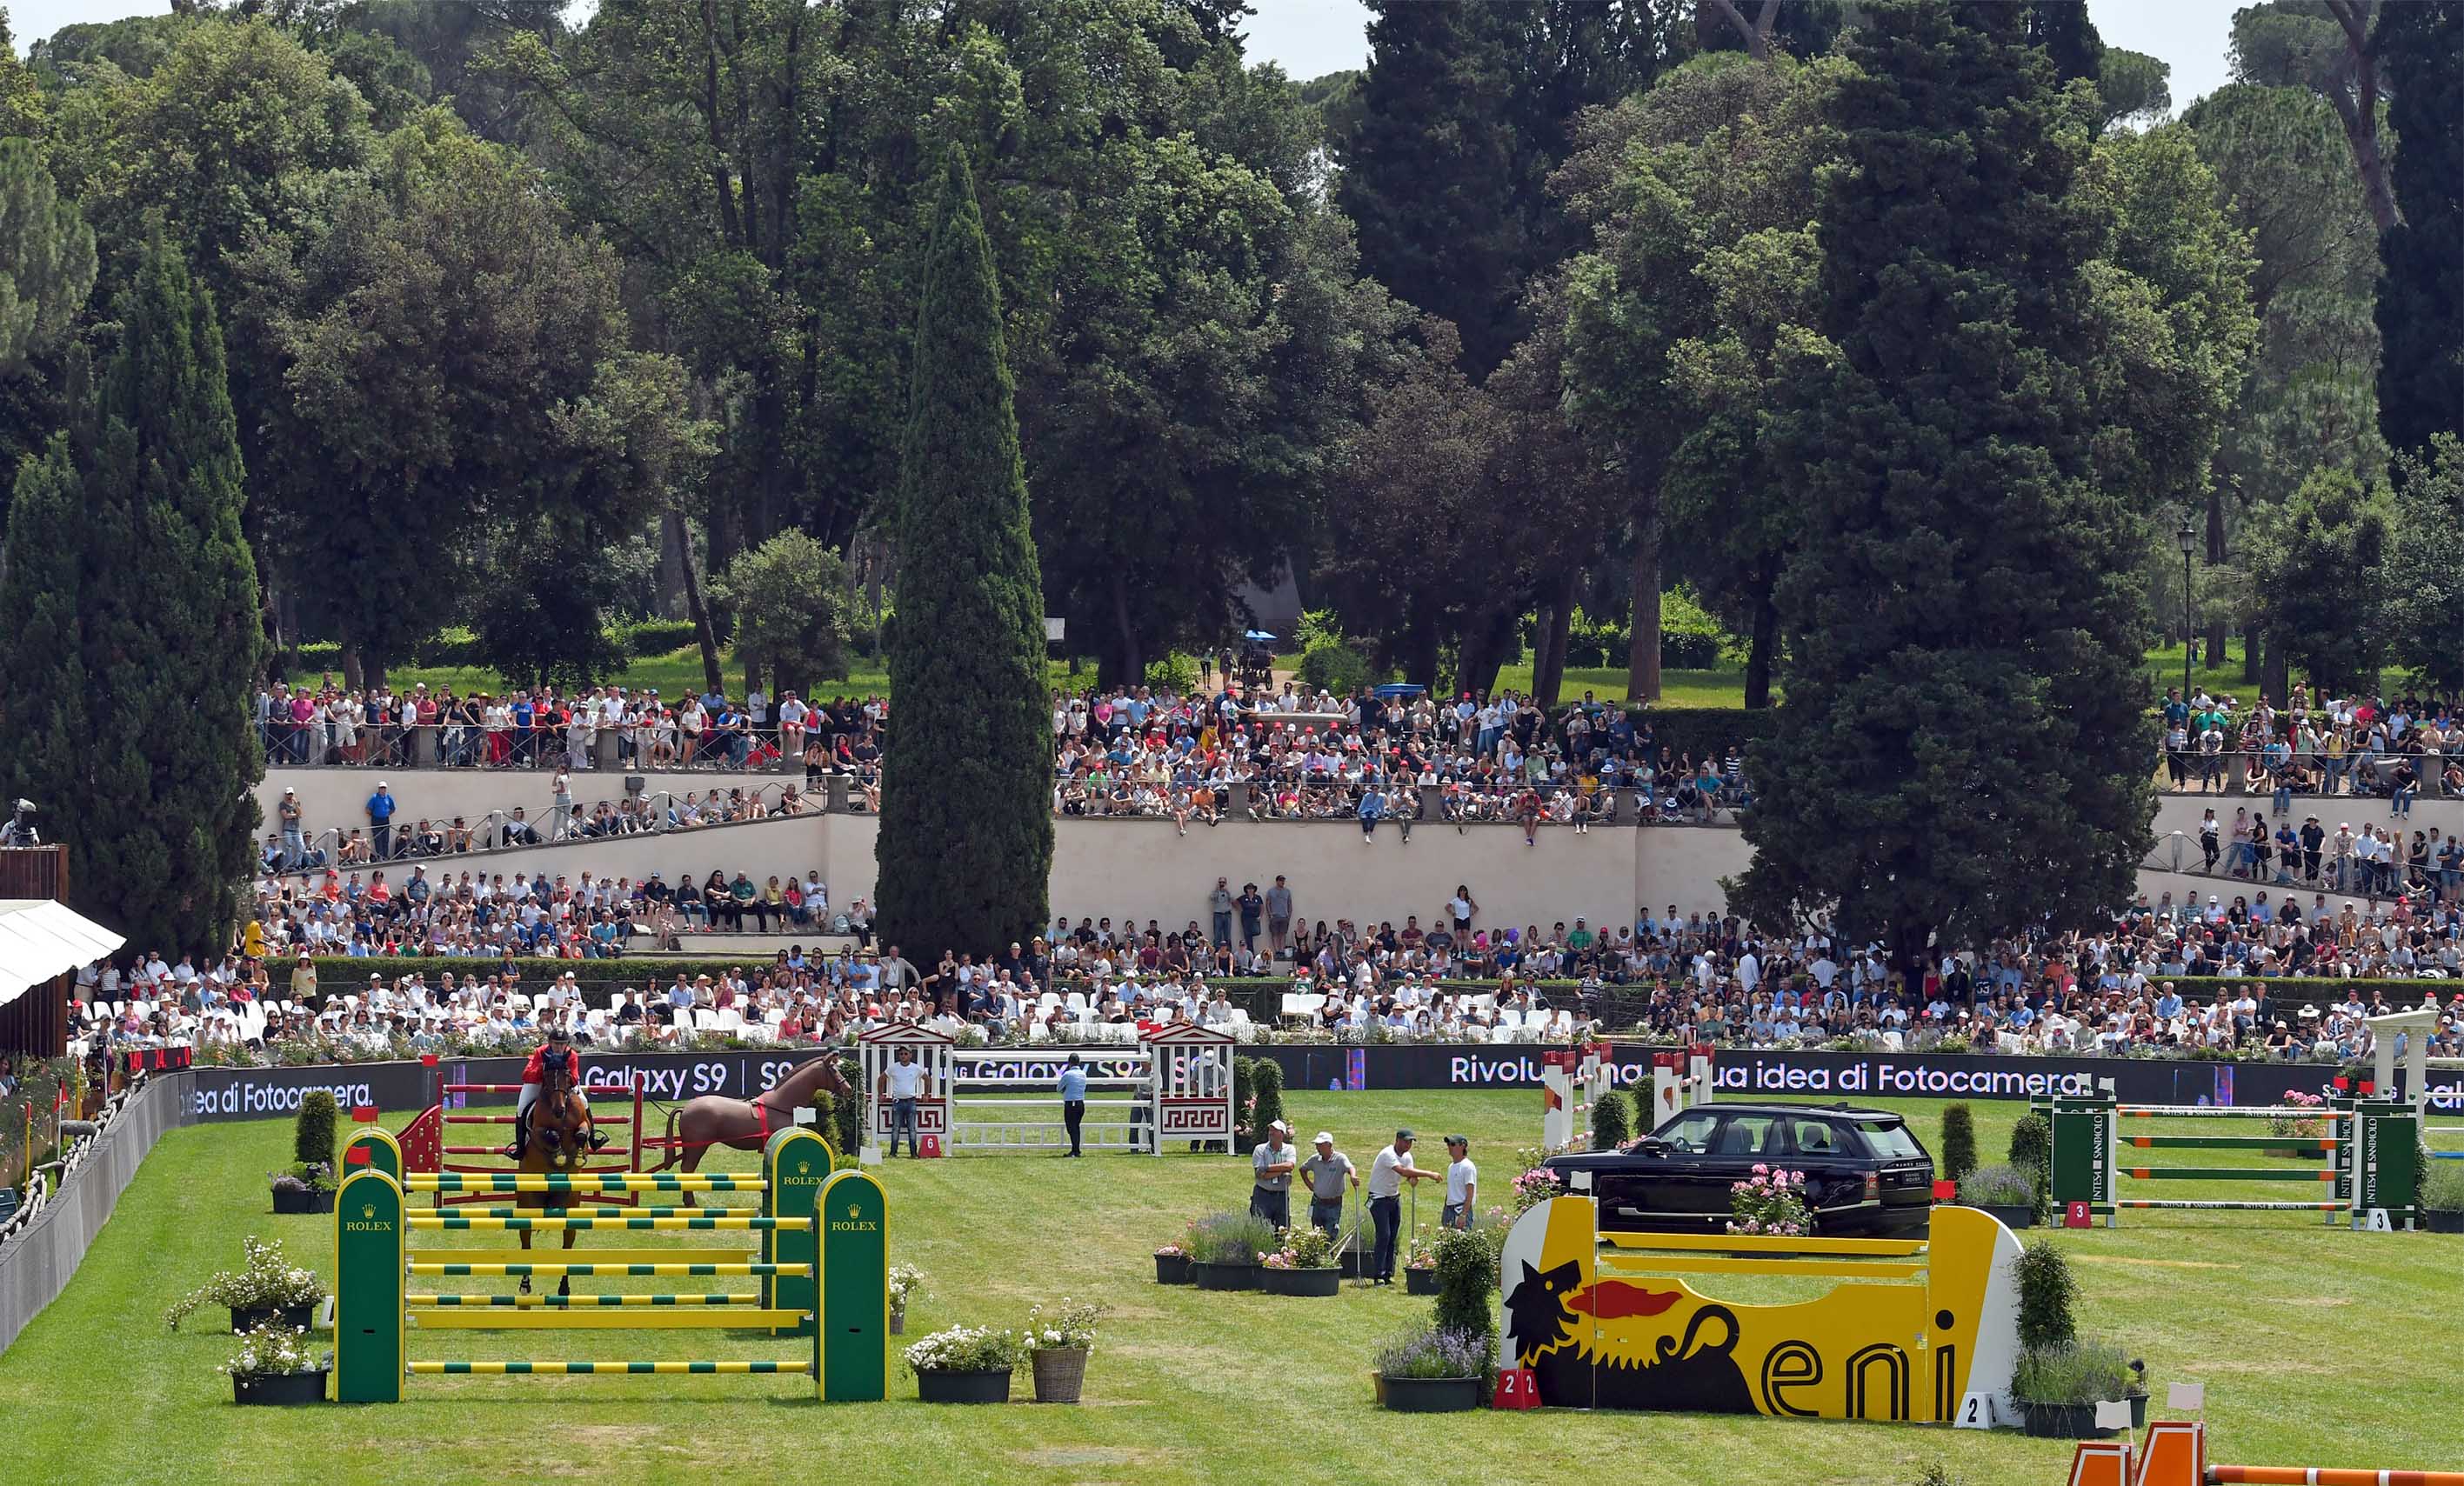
(560, 1139)
(746, 1123)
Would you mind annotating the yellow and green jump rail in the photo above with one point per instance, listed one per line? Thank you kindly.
(824, 1266)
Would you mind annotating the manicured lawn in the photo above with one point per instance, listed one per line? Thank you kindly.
(2317, 1345)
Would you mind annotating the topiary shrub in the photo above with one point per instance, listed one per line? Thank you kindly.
(1244, 1088)
(825, 1117)
(2046, 1290)
(1611, 1124)
(847, 1119)
(1958, 1143)
(1467, 1275)
(2031, 1150)
(312, 1133)
(1266, 1083)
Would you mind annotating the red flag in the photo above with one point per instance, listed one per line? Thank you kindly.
(60, 1096)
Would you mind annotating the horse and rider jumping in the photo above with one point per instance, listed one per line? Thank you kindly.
(552, 1132)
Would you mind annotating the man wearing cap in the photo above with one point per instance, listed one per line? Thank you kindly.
(381, 807)
(1272, 1164)
(902, 1083)
(295, 845)
(1326, 1172)
(1387, 1175)
(1462, 1185)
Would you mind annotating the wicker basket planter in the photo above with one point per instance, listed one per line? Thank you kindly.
(1060, 1373)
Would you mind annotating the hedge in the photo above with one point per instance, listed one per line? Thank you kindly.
(1702, 730)
(458, 647)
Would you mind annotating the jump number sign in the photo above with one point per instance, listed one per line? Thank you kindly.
(1975, 1413)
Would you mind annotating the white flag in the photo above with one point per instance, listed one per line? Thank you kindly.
(2113, 1414)
(2186, 1395)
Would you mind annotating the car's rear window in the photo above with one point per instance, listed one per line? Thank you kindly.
(1890, 1139)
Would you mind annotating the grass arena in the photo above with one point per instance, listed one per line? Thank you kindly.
(2317, 1345)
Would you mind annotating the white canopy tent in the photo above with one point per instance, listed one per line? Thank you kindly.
(42, 940)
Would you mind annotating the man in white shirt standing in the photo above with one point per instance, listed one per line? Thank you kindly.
(902, 1083)
(1462, 1183)
(1387, 1175)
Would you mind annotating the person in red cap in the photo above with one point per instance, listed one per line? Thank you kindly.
(557, 1050)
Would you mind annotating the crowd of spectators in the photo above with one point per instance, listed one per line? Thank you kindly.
(1197, 757)
(2105, 991)
(2376, 861)
(484, 915)
(2368, 747)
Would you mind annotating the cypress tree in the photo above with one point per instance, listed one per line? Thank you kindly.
(966, 828)
(2420, 308)
(1962, 747)
(134, 613)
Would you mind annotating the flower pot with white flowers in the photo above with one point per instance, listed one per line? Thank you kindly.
(964, 1365)
(1304, 1266)
(268, 1289)
(1057, 1341)
(905, 1285)
(275, 1364)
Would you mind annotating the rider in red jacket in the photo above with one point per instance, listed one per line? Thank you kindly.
(558, 1049)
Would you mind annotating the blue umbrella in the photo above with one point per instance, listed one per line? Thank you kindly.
(1257, 636)
(1400, 688)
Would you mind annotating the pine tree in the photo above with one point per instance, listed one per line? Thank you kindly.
(966, 831)
(1962, 748)
(2420, 307)
(130, 543)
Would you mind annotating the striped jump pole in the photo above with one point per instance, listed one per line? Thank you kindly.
(543, 1224)
(2326, 1475)
(548, 1181)
(592, 1210)
(630, 1271)
(2230, 1206)
(2372, 1169)
(517, 1369)
(711, 1298)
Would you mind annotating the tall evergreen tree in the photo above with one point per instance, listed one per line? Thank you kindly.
(2420, 307)
(1962, 748)
(134, 601)
(966, 835)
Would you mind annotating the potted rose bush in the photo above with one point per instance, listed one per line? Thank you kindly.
(964, 1365)
(1305, 1265)
(1420, 1268)
(1172, 1259)
(1432, 1369)
(1769, 1204)
(268, 1289)
(1057, 1341)
(2302, 1117)
(272, 1364)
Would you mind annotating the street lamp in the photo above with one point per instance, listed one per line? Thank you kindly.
(2188, 539)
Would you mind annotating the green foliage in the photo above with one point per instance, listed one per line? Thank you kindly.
(1705, 732)
(1317, 626)
(540, 618)
(2084, 1371)
(1962, 297)
(131, 542)
(1173, 673)
(1611, 1119)
(966, 835)
(789, 599)
(1690, 637)
(2047, 1292)
(1330, 665)
(2423, 588)
(846, 1125)
(1244, 1082)
(2421, 294)
(1958, 1143)
(47, 262)
(1266, 1089)
(312, 1130)
(1467, 1278)
(825, 1115)
(2317, 574)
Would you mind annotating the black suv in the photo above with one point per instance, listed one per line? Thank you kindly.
(1865, 1175)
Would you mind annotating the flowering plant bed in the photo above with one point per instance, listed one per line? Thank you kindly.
(268, 1284)
(272, 1364)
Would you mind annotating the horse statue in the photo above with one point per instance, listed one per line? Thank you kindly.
(746, 1123)
(561, 1138)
